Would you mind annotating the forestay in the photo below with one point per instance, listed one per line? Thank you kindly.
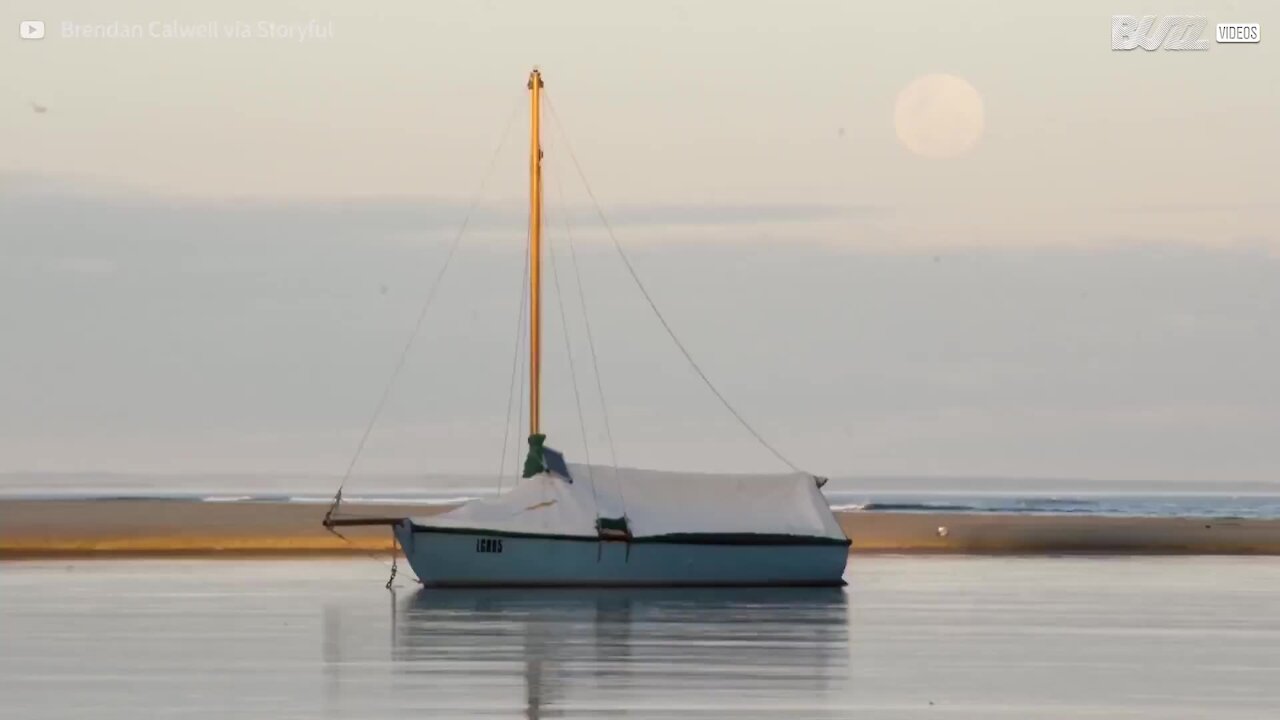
(655, 503)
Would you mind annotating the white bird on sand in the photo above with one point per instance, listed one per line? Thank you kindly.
(942, 531)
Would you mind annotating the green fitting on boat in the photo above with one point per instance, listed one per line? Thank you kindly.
(535, 463)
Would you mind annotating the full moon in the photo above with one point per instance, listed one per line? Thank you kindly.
(938, 116)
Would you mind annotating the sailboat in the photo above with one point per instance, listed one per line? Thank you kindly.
(655, 529)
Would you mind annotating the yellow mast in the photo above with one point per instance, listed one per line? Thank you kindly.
(535, 251)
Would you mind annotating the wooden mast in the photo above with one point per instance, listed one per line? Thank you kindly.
(535, 252)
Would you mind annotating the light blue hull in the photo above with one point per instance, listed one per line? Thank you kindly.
(476, 558)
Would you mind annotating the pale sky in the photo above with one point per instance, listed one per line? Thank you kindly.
(211, 250)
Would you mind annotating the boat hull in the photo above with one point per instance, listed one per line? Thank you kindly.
(454, 558)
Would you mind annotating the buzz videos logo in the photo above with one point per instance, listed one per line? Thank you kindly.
(1171, 32)
(1175, 32)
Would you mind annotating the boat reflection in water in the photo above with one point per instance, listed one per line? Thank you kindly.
(591, 650)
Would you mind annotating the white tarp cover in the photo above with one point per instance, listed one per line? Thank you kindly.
(654, 502)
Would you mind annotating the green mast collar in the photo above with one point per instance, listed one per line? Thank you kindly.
(535, 462)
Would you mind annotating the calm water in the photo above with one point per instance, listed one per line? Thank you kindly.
(1007, 495)
(976, 637)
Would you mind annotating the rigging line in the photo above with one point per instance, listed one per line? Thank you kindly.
(515, 365)
(521, 406)
(365, 551)
(573, 374)
(591, 343)
(426, 305)
(652, 305)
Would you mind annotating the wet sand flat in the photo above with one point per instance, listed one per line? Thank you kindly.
(34, 528)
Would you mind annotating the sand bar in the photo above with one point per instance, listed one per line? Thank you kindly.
(42, 528)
